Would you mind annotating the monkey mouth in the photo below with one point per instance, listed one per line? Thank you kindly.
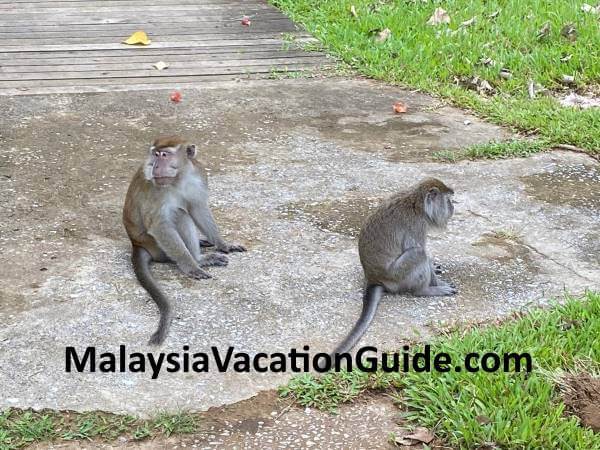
(163, 180)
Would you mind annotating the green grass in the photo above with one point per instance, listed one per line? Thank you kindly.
(524, 410)
(20, 428)
(495, 150)
(438, 59)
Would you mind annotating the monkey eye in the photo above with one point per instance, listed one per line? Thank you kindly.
(156, 153)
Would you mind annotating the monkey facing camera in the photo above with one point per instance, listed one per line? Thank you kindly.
(166, 209)
(392, 249)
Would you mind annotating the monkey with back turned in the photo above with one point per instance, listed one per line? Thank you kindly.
(392, 250)
(166, 208)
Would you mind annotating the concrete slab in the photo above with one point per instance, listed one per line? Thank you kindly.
(295, 166)
(268, 422)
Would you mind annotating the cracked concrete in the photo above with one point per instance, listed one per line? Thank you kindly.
(295, 166)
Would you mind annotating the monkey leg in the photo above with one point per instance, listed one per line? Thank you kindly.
(189, 233)
(413, 272)
(170, 241)
(205, 221)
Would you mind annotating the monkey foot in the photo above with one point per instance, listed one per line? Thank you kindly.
(198, 274)
(214, 259)
(232, 248)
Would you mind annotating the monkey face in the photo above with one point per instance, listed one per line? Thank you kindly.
(162, 165)
(438, 207)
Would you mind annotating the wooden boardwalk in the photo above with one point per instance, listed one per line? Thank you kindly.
(53, 46)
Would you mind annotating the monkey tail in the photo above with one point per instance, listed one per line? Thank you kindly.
(371, 298)
(141, 259)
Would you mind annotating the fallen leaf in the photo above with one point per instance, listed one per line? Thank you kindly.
(544, 32)
(421, 434)
(468, 23)
(477, 84)
(139, 37)
(439, 16)
(569, 31)
(175, 96)
(505, 73)
(483, 420)
(353, 11)
(399, 108)
(246, 21)
(487, 61)
(568, 79)
(383, 35)
(590, 9)
(531, 89)
(566, 58)
(160, 65)
(580, 101)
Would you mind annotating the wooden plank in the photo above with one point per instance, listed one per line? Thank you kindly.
(176, 67)
(165, 2)
(153, 73)
(74, 45)
(155, 39)
(240, 73)
(99, 4)
(133, 52)
(133, 9)
(133, 21)
(114, 46)
(220, 13)
(114, 29)
(53, 4)
(108, 61)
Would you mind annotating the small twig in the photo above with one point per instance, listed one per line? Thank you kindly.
(284, 410)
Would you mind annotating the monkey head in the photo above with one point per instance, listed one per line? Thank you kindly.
(169, 157)
(437, 202)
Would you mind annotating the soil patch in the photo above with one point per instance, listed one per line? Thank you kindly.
(582, 398)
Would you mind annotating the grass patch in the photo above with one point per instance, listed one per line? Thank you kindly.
(442, 59)
(520, 410)
(495, 150)
(20, 428)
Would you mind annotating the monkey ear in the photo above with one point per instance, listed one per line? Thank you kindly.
(432, 193)
(191, 151)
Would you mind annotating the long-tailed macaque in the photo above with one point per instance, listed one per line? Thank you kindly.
(165, 210)
(392, 250)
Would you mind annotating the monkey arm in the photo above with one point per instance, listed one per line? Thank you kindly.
(204, 220)
(168, 239)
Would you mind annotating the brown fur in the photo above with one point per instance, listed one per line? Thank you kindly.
(167, 141)
(164, 218)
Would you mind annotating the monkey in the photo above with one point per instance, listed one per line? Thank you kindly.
(166, 208)
(391, 247)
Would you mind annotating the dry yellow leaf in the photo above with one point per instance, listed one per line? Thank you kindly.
(139, 37)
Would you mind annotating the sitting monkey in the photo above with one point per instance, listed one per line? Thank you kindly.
(165, 209)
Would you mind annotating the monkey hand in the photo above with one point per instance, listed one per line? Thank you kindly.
(213, 259)
(448, 288)
(437, 268)
(197, 273)
(230, 248)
